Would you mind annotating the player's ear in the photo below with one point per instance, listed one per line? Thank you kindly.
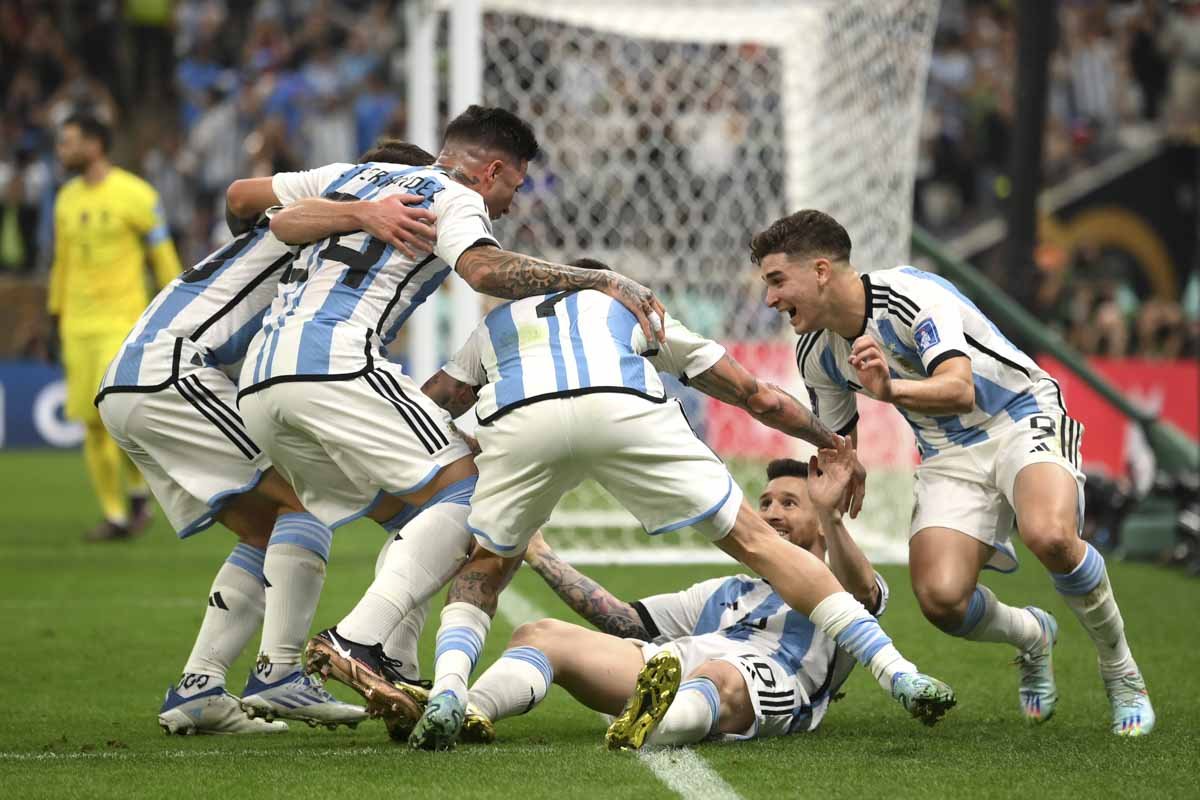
(493, 169)
(824, 271)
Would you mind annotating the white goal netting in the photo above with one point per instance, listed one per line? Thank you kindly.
(672, 131)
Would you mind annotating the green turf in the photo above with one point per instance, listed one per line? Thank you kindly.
(94, 633)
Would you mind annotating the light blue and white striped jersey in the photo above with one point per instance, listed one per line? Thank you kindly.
(751, 617)
(921, 319)
(347, 296)
(204, 317)
(570, 343)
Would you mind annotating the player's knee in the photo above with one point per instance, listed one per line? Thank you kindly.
(943, 605)
(538, 634)
(1051, 537)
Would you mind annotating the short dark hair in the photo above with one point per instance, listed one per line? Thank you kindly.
(805, 233)
(787, 468)
(92, 128)
(394, 151)
(494, 129)
(590, 263)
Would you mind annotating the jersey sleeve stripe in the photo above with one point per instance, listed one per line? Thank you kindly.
(647, 621)
(946, 356)
(971, 340)
(912, 307)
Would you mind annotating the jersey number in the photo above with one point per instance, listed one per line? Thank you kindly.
(765, 673)
(359, 263)
(546, 307)
(202, 272)
(1043, 424)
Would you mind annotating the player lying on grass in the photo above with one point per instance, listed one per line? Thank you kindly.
(568, 389)
(169, 402)
(750, 665)
(996, 444)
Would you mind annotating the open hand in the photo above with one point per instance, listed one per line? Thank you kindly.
(399, 221)
(641, 301)
(869, 361)
(836, 479)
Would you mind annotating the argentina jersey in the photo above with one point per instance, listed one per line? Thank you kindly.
(347, 296)
(921, 319)
(566, 344)
(204, 317)
(740, 615)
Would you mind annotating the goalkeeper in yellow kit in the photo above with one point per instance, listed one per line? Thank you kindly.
(106, 223)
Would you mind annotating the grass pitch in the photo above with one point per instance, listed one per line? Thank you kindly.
(93, 634)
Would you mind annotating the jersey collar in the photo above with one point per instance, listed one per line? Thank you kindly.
(868, 306)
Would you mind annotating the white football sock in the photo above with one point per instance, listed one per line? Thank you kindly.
(989, 620)
(692, 716)
(1086, 589)
(295, 572)
(459, 642)
(844, 620)
(405, 640)
(235, 610)
(516, 683)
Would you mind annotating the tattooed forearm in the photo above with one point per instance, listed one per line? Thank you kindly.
(512, 276)
(730, 382)
(589, 599)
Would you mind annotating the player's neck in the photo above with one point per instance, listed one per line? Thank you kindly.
(96, 171)
(848, 309)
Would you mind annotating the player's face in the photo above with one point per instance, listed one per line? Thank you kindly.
(786, 507)
(503, 181)
(75, 151)
(792, 289)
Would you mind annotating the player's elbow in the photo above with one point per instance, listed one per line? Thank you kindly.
(964, 397)
(238, 198)
(471, 269)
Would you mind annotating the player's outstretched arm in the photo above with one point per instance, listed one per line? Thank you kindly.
(454, 396)
(512, 276)
(589, 599)
(730, 382)
(407, 228)
(831, 472)
(246, 198)
(949, 390)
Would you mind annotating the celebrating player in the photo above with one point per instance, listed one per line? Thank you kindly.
(168, 401)
(568, 389)
(995, 440)
(753, 667)
(348, 429)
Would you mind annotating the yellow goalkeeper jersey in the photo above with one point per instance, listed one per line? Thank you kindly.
(103, 234)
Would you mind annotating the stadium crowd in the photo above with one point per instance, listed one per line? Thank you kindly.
(211, 90)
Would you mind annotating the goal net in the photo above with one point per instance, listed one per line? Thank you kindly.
(672, 130)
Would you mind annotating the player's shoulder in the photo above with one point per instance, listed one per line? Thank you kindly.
(126, 181)
(70, 188)
(808, 349)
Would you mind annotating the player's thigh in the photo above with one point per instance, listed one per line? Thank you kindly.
(647, 456)
(737, 708)
(319, 481)
(597, 669)
(959, 494)
(525, 468)
(193, 464)
(1038, 472)
(944, 566)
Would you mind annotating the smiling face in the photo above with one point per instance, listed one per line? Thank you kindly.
(794, 288)
(786, 507)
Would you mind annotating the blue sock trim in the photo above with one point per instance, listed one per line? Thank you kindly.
(458, 493)
(1084, 578)
(863, 638)
(535, 657)
(708, 690)
(303, 530)
(248, 558)
(458, 638)
(975, 611)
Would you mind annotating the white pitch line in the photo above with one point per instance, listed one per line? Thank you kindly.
(681, 769)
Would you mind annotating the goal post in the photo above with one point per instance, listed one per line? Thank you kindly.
(671, 130)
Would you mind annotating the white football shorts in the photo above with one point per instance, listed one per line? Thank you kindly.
(190, 444)
(343, 444)
(971, 489)
(644, 453)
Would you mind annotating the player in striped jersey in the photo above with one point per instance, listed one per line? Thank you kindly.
(349, 429)
(995, 440)
(567, 390)
(751, 667)
(169, 402)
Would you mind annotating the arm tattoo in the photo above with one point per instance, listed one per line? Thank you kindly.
(591, 600)
(729, 382)
(720, 384)
(512, 276)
